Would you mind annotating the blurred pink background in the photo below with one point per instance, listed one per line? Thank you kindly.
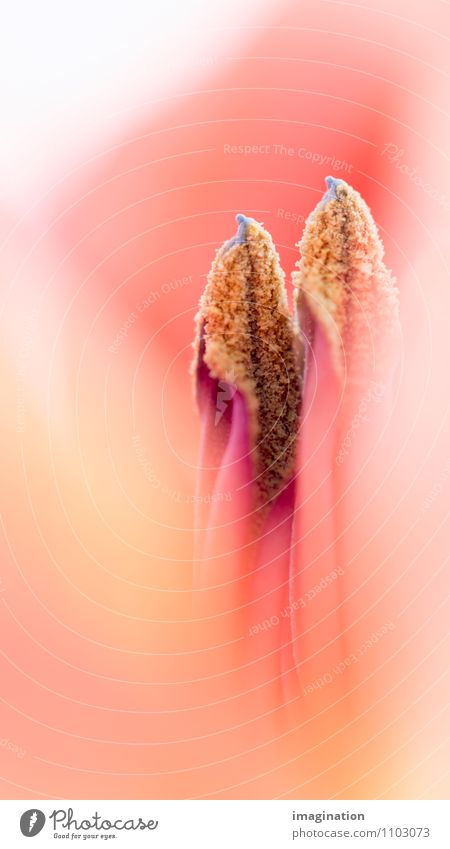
(130, 146)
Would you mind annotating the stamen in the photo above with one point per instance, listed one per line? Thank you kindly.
(344, 282)
(249, 342)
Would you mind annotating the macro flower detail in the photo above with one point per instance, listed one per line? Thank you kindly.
(278, 397)
(347, 310)
(248, 390)
(343, 285)
(245, 338)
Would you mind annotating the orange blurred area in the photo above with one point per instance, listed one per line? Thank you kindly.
(111, 685)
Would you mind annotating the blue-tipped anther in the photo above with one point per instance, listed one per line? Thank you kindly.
(241, 236)
(332, 184)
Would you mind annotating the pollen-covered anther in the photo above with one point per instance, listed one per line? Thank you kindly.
(247, 331)
(345, 283)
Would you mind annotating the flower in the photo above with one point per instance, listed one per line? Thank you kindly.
(291, 413)
(344, 289)
(246, 346)
(347, 310)
(247, 387)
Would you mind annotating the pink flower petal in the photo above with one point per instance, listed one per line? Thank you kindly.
(348, 301)
(248, 435)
